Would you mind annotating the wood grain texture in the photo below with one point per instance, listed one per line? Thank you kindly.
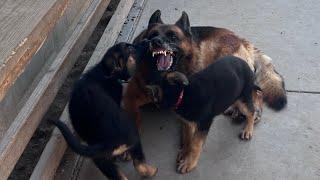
(39, 63)
(25, 26)
(55, 148)
(24, 125)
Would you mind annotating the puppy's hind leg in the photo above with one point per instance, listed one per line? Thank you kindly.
(109, 169)
(139, 162)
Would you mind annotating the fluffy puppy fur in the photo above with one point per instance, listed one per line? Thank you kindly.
(99, 120)
(205, 95)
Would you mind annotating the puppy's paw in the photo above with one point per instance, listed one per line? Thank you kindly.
(186, 163)
(247, 133)
(146, 170)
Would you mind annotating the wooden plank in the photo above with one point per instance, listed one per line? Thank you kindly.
(39, 64)
(24, 28)
(56, 146)
(24, 125)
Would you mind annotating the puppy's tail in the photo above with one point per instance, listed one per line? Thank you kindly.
(77, 146)
(270, 81)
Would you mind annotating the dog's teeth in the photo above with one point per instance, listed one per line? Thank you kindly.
(165, 53)
(153, 54)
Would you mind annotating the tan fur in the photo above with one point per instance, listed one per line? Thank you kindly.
(144, 169)
(269, 81)
(131, 65)
(135, 96)
(188, 131)
(122, 175)
(190, 158)
(120, 150)
(250, 116)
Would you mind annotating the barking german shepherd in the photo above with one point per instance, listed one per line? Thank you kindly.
(187, 49)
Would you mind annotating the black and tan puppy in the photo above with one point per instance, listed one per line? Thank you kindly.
(99, 120)
(205, 95)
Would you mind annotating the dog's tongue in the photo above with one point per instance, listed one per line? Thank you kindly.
(163, 62)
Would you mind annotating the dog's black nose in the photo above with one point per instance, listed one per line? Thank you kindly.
(156, 42)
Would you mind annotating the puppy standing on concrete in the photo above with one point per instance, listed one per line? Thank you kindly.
(205, 95)
(99, 120)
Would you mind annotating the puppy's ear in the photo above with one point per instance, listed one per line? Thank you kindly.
(155, 18)
(184, 23)
(177, 78)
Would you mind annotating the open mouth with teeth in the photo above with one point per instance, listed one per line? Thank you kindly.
(164, 59)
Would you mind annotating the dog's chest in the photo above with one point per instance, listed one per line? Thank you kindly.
(124, 91)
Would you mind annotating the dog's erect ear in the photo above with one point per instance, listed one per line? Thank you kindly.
(184, 23)
(155, 18)
(177, 78)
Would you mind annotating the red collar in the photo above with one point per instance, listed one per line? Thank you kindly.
(179, 101)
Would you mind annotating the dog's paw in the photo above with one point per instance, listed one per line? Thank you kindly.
(182, 153)
(247, 133)
(146, 170)
(235, 115)
(186, 163)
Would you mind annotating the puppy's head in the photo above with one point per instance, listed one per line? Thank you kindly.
(120, 60)
(169, 91)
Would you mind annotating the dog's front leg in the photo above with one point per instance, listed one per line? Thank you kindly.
(248, 109)
(191, 155)
(187, 132)
(133, 99)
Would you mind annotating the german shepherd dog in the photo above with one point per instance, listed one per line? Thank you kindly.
(180, 47)
(205, 95)
(99, 120)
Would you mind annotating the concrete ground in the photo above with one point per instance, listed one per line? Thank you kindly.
(286, 145)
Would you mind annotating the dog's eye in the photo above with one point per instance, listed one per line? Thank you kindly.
(154, 34)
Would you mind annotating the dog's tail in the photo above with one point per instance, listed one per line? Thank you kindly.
(270, 81)
(77, 146)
